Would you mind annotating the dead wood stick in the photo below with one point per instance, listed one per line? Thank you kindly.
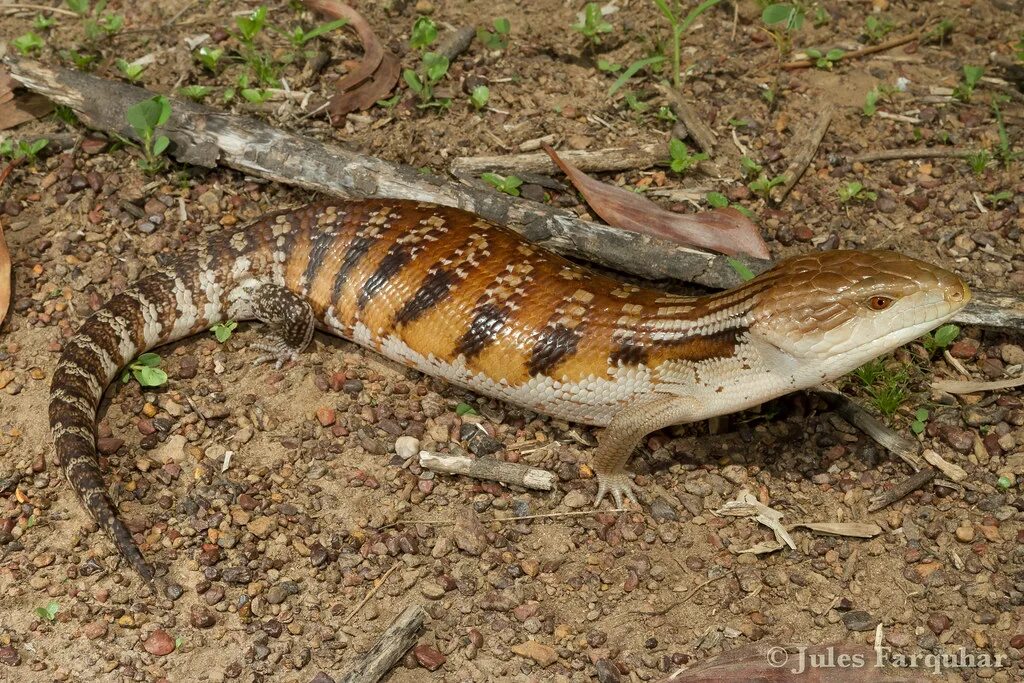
(901, 489)
(457, 42)
(204, 136)
(881, 47)
(905, 449)
(699, 131)
(912, 153)
(389, 648)
(803, 158)
(590, 161)
(490, 469)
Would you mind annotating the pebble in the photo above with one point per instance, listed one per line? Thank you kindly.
(428, 657)
(939, 623)
(576, 499)
(432, 590)
(965, 533)
(9, 656)
(470, 534)
(544, 655)
(236, 575)
(607, 672)
(859, 620)
(407, 447)
(201, 617)
(663, 511)
(95, 629)
(326, 416)
(1012, 354)
(261, 526)
(159, 643)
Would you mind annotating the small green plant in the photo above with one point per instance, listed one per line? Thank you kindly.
(298, 36)
(1018, 48)
(751, 169)
(479, 97)
(592, 24)
(145, 371)
(391, 101)
(978, 161)
(824, 60)
(130, 70)
(209, 57)
(942, 30)
(607, 67)
(496, 39)
(632, 70)
(196, 93)
(877, 28)
(763, 185)
(507, 184)
(82, 61)
(717, 200)
(65, 114)
(434, 68)
(785, 17)
(22, 149)
(41, 23)
(48, 613)
(1004, 150)
(665, 114)
(920, 421)
(96, 23)
(855, 190)
(424, 33)
(634, 103)
(465, 409)
(80, 7)
(965, 89)
(145, 118)
(249, 94)
(741, 268)
(997, 198)
(886, 386)
(768, 95)
(870, 107)
(821, 16)
(681, 160)
(940, 339)
(680, 25)
(27, 43)
(222, 331)
(250, 26)
(1004, 482)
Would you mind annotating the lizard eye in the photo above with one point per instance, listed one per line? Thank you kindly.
(880, 303)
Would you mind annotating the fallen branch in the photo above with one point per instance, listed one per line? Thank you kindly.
(699, 131)
(456, 42)
(490, 469)
(901, 489)
(806, 154)
(912, 153)
(389, 648)
(874, 49)
(905, 449)
(591, 161)
(205, 137)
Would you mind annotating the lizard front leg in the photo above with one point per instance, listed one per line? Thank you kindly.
(617, 441)
(290, 320)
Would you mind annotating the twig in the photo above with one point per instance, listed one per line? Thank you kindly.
(901, 489)
(951, 470)
(611, 159)
(881, 47)
(699, 131)
(912, 153)
(22, 7)
(952, 386)
(665, 610)
(955, 363)
(457, 42)
(905, 449)
(548, 515)
(373, 591)
(389, 648)
(491, 469)
(806, 154)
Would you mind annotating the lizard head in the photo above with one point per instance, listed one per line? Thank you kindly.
(831, 312)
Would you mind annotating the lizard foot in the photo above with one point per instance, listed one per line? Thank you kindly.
(617, 485)
(276, 351)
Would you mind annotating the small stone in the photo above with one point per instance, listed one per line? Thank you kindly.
(470, 534)
(109, 445)
(407, 447)
(965, 349)
(261, 526)
(918, 201)
(607, 672)
(236, 575)
(321, 677)
(428, 657)
(326, 416)
(43, 560)
(960, 440)
(201, 617)
(1017, 641)
(159, 643)
(174, 591)
(859, 620)
(93, 145)
(939, 623)
(352, 386)
(965, 533)
(95, 629)
(77, 183)
(432, 590)
(576, 499)
(544, 655)
(1012, 354)
(663, 511)
(9, 656)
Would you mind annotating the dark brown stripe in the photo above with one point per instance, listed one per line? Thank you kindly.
(389, 266)
(555, 344)
(630, 353)
(697, 349)
(434, 289)
(488, 321)
(322, 243)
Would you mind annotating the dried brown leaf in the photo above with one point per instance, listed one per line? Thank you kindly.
(373, 77)
(5, 257)
(17, 108)
(726, 231)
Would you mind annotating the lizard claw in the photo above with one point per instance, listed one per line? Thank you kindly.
(617, 485)
(276, 351)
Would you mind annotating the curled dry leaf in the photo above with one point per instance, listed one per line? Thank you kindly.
(375, 75)
(5, 258)
(16, 109)
(725, 231)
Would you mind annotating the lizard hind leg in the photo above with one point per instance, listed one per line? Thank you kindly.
(290, 320)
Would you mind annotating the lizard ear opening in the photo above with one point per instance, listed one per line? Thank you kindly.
(880, 303)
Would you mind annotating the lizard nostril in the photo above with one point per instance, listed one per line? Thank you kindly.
(958, 293)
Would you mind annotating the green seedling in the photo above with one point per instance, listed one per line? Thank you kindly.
(940, 339)
(479, 97)
(739, 123)
(48, 613)
(41, 23)
(824, 60)
(145, 118)
(79, 7)
(821, 16)
(496, 39)
(877, 28)
(871, 102)
(665, 114)
(592, 24)
(679, 25)
(751, 169)
(886, 387)
(424, 33)
(434, 68)
(1018, 48)
(763, 185)
(965, 89)
(1004, 482)
(607, 67)
(1004, 150)
(145, 371)
(741, 268)
(249, 94)
(82, 61)
(920, 421)
(632, 70)
(681, 160)
(222, 331)
(768, 95)
(23, 149)
(250, 26)
(507, 184)
(209, 57)
(196, 93)
(465, 409)
(27, 43)
(943, 30)
(65, 114)
(978, 161)
(391, 101)
(130, 70)
(634, 103)
(97, 24)
(855, 190)
(785, 17)
(717, 200)
(997, 198)
(298, 37)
